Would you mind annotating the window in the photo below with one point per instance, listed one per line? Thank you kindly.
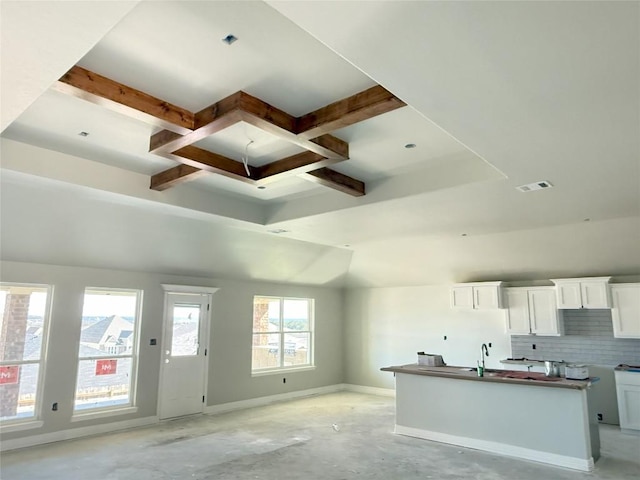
(282, 333)
(23, 333)
(107, 355)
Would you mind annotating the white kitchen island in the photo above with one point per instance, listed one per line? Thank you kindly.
(537, 419)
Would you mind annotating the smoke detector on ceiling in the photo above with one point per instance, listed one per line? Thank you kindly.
(530, 187)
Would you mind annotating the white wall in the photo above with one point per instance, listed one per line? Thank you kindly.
(387, 326)
(231, 327)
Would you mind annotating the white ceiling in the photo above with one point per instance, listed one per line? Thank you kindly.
(500, 94)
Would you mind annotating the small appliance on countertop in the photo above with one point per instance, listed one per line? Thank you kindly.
(576, 372)
(551, 369)
(430, 360)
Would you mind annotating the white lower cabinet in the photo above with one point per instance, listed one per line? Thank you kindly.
(626, 310)
(628, 391)
(532, 310)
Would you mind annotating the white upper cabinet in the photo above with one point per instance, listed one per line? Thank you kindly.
(532, 310)
(518, 311)
(462, 297)
(569, 295)
(480, 295)
(590, 292)
(626, 310)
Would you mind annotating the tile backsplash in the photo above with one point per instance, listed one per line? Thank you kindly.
(588, 338)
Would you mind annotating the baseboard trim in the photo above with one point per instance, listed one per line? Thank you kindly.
(573, 463)
(383, 392)
(269, 399)
(33, 440)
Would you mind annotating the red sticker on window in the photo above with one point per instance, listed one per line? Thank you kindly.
(106, 367)
(9, 374)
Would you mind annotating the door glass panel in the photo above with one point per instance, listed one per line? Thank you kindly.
(185, 337)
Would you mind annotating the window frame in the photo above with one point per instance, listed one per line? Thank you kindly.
(310, 365)
(121, 408)
(34, 421)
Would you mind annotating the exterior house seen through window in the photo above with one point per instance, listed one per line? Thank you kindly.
(23, 334)
(107, 354)
(282, 333)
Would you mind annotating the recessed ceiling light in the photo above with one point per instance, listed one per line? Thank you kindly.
(530, 187)
(229, 39)
(261, 187)
(84, 134)
(410, 145)
(278, 231)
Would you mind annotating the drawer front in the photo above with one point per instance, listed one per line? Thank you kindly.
(627, 378)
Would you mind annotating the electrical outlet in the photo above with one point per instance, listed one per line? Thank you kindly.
(599, 417)
(284, 380)
(489, 344)
(445, 337)
(153, 341)
(54, 407)
(533, 346)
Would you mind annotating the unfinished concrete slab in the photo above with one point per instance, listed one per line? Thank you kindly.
(338, 436)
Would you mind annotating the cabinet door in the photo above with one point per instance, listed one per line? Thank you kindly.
(462, 297)
(629, 406)
(595, 295)
(543, 313)
(626, 311)
(486, 297)
(569, 295)
(518, 312)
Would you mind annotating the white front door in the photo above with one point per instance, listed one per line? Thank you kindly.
(184, 354)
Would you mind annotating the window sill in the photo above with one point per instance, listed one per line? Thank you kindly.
(262, 373)
(18, 427)
(79, 417)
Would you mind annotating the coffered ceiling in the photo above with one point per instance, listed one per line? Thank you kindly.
(497, 94)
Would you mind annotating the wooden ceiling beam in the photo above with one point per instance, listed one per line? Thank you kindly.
(348, 111)
(336, 180)
(183, 128)
(207, 121)
(177, 175)
(299, 165)
(273, 120)
(214, 163)
(87, 85)
(328, 146)
(290, 166)
(267, 117)
(244, 107)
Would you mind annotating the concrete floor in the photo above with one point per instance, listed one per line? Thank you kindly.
(338, 436)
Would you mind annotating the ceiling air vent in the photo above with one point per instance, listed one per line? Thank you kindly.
(530, 187)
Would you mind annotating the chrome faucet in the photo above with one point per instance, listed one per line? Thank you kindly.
(484, 351)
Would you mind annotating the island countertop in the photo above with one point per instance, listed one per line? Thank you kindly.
(497, 376)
